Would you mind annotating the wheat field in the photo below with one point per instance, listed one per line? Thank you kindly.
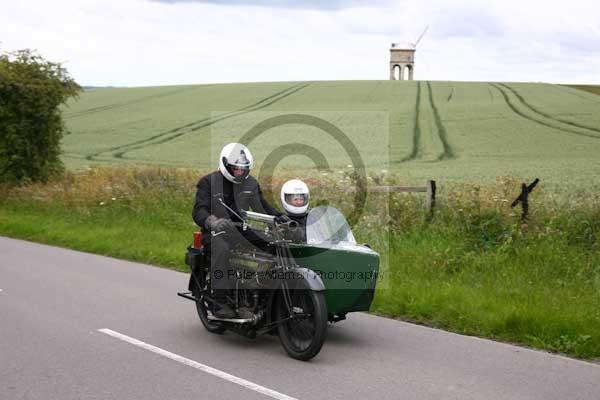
(448, 131)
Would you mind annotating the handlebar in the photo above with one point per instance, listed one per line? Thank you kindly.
(260, 217)
(269, 219)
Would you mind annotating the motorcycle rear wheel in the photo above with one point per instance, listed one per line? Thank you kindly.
(302, 337)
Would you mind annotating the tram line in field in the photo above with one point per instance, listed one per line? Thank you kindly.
(537, 120)
(176, 132)
(113, 106)
(416, 149)
(448, 151)
(546, 115)
(212, 121)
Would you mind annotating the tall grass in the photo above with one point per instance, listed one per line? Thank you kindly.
(474, 268)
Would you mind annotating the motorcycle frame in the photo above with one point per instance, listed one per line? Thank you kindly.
(284, 261)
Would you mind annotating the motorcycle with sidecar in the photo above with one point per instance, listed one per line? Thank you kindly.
(291, 289)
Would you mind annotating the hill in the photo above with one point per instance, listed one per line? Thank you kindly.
(452, 131)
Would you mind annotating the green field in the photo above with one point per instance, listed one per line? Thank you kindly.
(448, 131)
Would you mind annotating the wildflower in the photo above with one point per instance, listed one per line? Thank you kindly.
(349, 165)
(101, 203)
(114, 198)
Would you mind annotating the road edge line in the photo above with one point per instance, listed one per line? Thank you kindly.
(199, 366)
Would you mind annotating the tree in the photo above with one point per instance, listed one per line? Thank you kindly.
(31, 126)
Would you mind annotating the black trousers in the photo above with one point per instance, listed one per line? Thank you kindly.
(218, 247)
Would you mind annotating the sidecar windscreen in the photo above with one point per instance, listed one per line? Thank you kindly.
(327, 224)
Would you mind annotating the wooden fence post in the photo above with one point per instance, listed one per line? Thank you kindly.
(430, 200)
(524, 199)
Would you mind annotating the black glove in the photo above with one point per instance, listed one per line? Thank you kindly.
(219, 224)
(282, 219)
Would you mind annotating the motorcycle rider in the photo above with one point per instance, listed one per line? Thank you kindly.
(295, 198)
(220, 197)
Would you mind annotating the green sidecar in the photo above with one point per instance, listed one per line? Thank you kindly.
(348, 270)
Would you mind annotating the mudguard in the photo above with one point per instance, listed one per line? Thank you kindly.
(297, 278)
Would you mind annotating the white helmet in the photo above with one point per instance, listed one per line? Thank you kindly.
(235, 155)
(291, 193)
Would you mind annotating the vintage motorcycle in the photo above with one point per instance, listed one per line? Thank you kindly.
(291, 289)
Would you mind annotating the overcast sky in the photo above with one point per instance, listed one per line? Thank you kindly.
(162, 42)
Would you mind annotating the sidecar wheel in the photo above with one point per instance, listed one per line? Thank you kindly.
(302, 337)
(211, 326)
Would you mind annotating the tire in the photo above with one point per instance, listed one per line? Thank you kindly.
(302, 338)
(202, 308)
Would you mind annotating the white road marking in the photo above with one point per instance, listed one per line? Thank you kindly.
(194, 364)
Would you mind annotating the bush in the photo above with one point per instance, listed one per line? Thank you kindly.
(31, 126)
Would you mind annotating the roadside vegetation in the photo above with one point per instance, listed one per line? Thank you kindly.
(473, 269)
(31, 126)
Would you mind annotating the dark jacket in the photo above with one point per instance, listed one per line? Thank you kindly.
(246, 195)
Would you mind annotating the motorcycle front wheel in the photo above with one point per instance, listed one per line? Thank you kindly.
(304, 323)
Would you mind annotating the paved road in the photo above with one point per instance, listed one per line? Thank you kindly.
(53, 302)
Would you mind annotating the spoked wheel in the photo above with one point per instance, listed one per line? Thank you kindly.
(202, 306)
(302, 331)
